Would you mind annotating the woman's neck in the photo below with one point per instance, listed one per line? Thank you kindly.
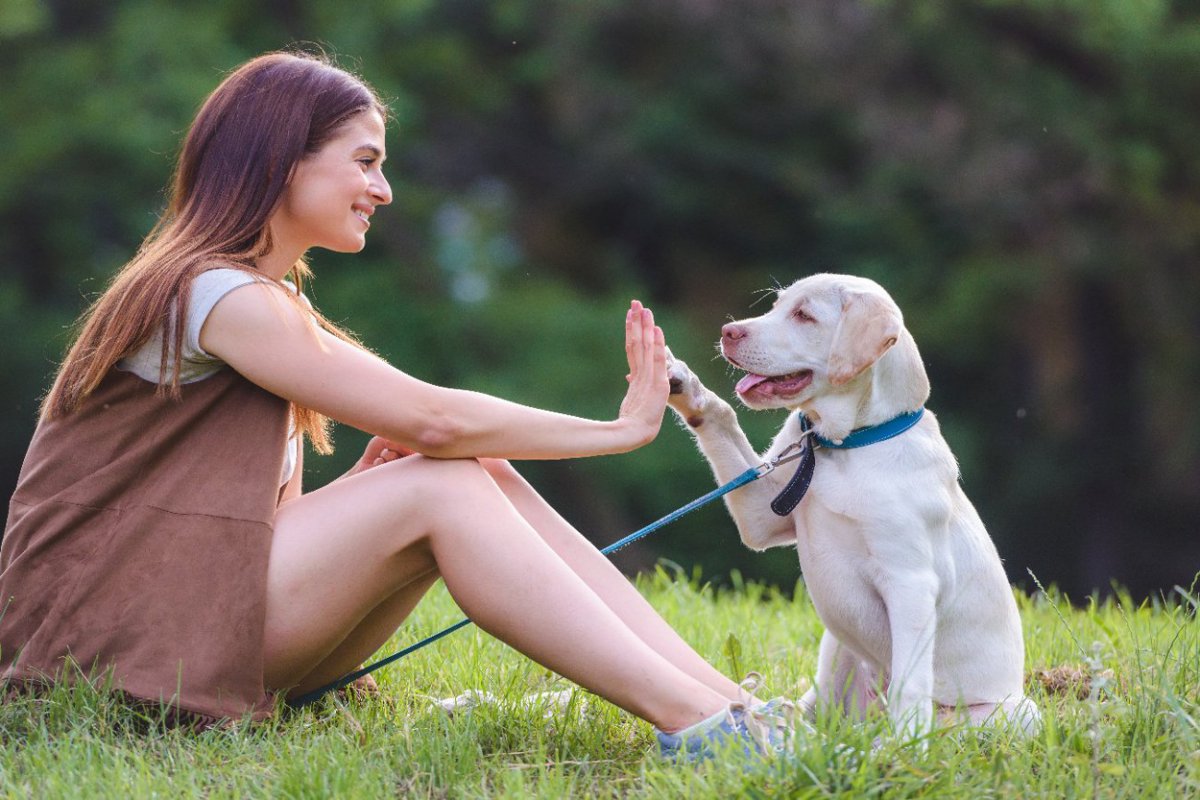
(278, 262)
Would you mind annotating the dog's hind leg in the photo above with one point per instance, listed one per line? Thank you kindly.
(843, 682)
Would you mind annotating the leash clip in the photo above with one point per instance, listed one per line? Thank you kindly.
(790, 453)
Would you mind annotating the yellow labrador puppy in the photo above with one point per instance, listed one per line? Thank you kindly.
(919, 616)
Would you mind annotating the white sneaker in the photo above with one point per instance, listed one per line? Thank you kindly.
(550, 703)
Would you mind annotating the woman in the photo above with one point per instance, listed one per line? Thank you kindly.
(161, 493)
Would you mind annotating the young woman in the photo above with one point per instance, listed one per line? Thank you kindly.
(159, 533)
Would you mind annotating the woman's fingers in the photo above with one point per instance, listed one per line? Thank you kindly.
(641, 343)
(660, 353)
(645, 347)
(634, 324)
(380, 451)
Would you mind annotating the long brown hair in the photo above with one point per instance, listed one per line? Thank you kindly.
(235, 163)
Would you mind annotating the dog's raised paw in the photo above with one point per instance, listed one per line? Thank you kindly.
(687, 393)
(678, 374)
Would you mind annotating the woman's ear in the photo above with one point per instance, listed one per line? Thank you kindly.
(870, 324)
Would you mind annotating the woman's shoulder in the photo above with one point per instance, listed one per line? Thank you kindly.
(210, 284)
(218, 278)
(219, 275)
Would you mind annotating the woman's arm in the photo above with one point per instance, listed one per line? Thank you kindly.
(272, 342)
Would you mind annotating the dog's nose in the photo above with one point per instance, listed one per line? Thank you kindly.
(732, 332)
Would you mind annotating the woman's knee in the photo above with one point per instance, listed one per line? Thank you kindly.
(440, 483)
(502, 472)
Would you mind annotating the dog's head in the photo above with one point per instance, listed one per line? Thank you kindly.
(823, 336)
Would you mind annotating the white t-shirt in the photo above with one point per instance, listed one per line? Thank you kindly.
(196, 365)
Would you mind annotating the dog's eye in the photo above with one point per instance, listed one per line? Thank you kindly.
(803, 315)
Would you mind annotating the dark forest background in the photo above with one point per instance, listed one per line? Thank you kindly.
(1022, 175)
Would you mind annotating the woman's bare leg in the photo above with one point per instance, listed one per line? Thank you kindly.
(369, 635)
(605, 579)
(341, 553)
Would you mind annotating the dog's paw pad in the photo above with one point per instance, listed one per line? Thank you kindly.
(679, 375)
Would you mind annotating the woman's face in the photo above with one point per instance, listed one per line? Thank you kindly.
(334, 191)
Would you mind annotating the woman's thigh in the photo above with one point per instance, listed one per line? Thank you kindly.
(342, 551)
(571, 546)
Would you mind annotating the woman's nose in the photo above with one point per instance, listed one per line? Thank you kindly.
(381, 190)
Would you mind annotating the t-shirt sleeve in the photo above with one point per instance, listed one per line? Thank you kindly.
(207, 289)
(195, 364)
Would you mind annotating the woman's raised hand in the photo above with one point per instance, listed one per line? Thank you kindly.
(646, 350)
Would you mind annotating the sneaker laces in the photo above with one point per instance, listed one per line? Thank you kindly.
(770, 723)
(748, 686)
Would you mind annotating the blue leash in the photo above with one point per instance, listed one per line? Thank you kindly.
(790, 453)
(783, 505)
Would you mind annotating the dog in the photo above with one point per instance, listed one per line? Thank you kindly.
(919, 618)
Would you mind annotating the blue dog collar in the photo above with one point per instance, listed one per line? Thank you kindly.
(794, 491)
(872, 434)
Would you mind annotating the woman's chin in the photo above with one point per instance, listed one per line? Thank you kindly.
(348, 245)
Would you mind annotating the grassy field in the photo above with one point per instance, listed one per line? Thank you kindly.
(1120, 710)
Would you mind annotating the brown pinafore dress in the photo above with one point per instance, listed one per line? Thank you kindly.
(137, 543)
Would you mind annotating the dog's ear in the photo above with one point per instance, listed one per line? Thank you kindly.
(869, 326)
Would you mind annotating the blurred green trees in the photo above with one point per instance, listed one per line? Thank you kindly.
(1021, 174)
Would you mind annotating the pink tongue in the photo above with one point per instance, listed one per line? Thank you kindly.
(749, 382)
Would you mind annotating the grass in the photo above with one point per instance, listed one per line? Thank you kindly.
(1117, 681)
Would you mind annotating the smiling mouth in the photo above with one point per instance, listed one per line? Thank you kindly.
(363, 216)
(774, 386)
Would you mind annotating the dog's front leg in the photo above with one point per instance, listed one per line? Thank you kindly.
(714, 424)
(711, 420)
(911, 602)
